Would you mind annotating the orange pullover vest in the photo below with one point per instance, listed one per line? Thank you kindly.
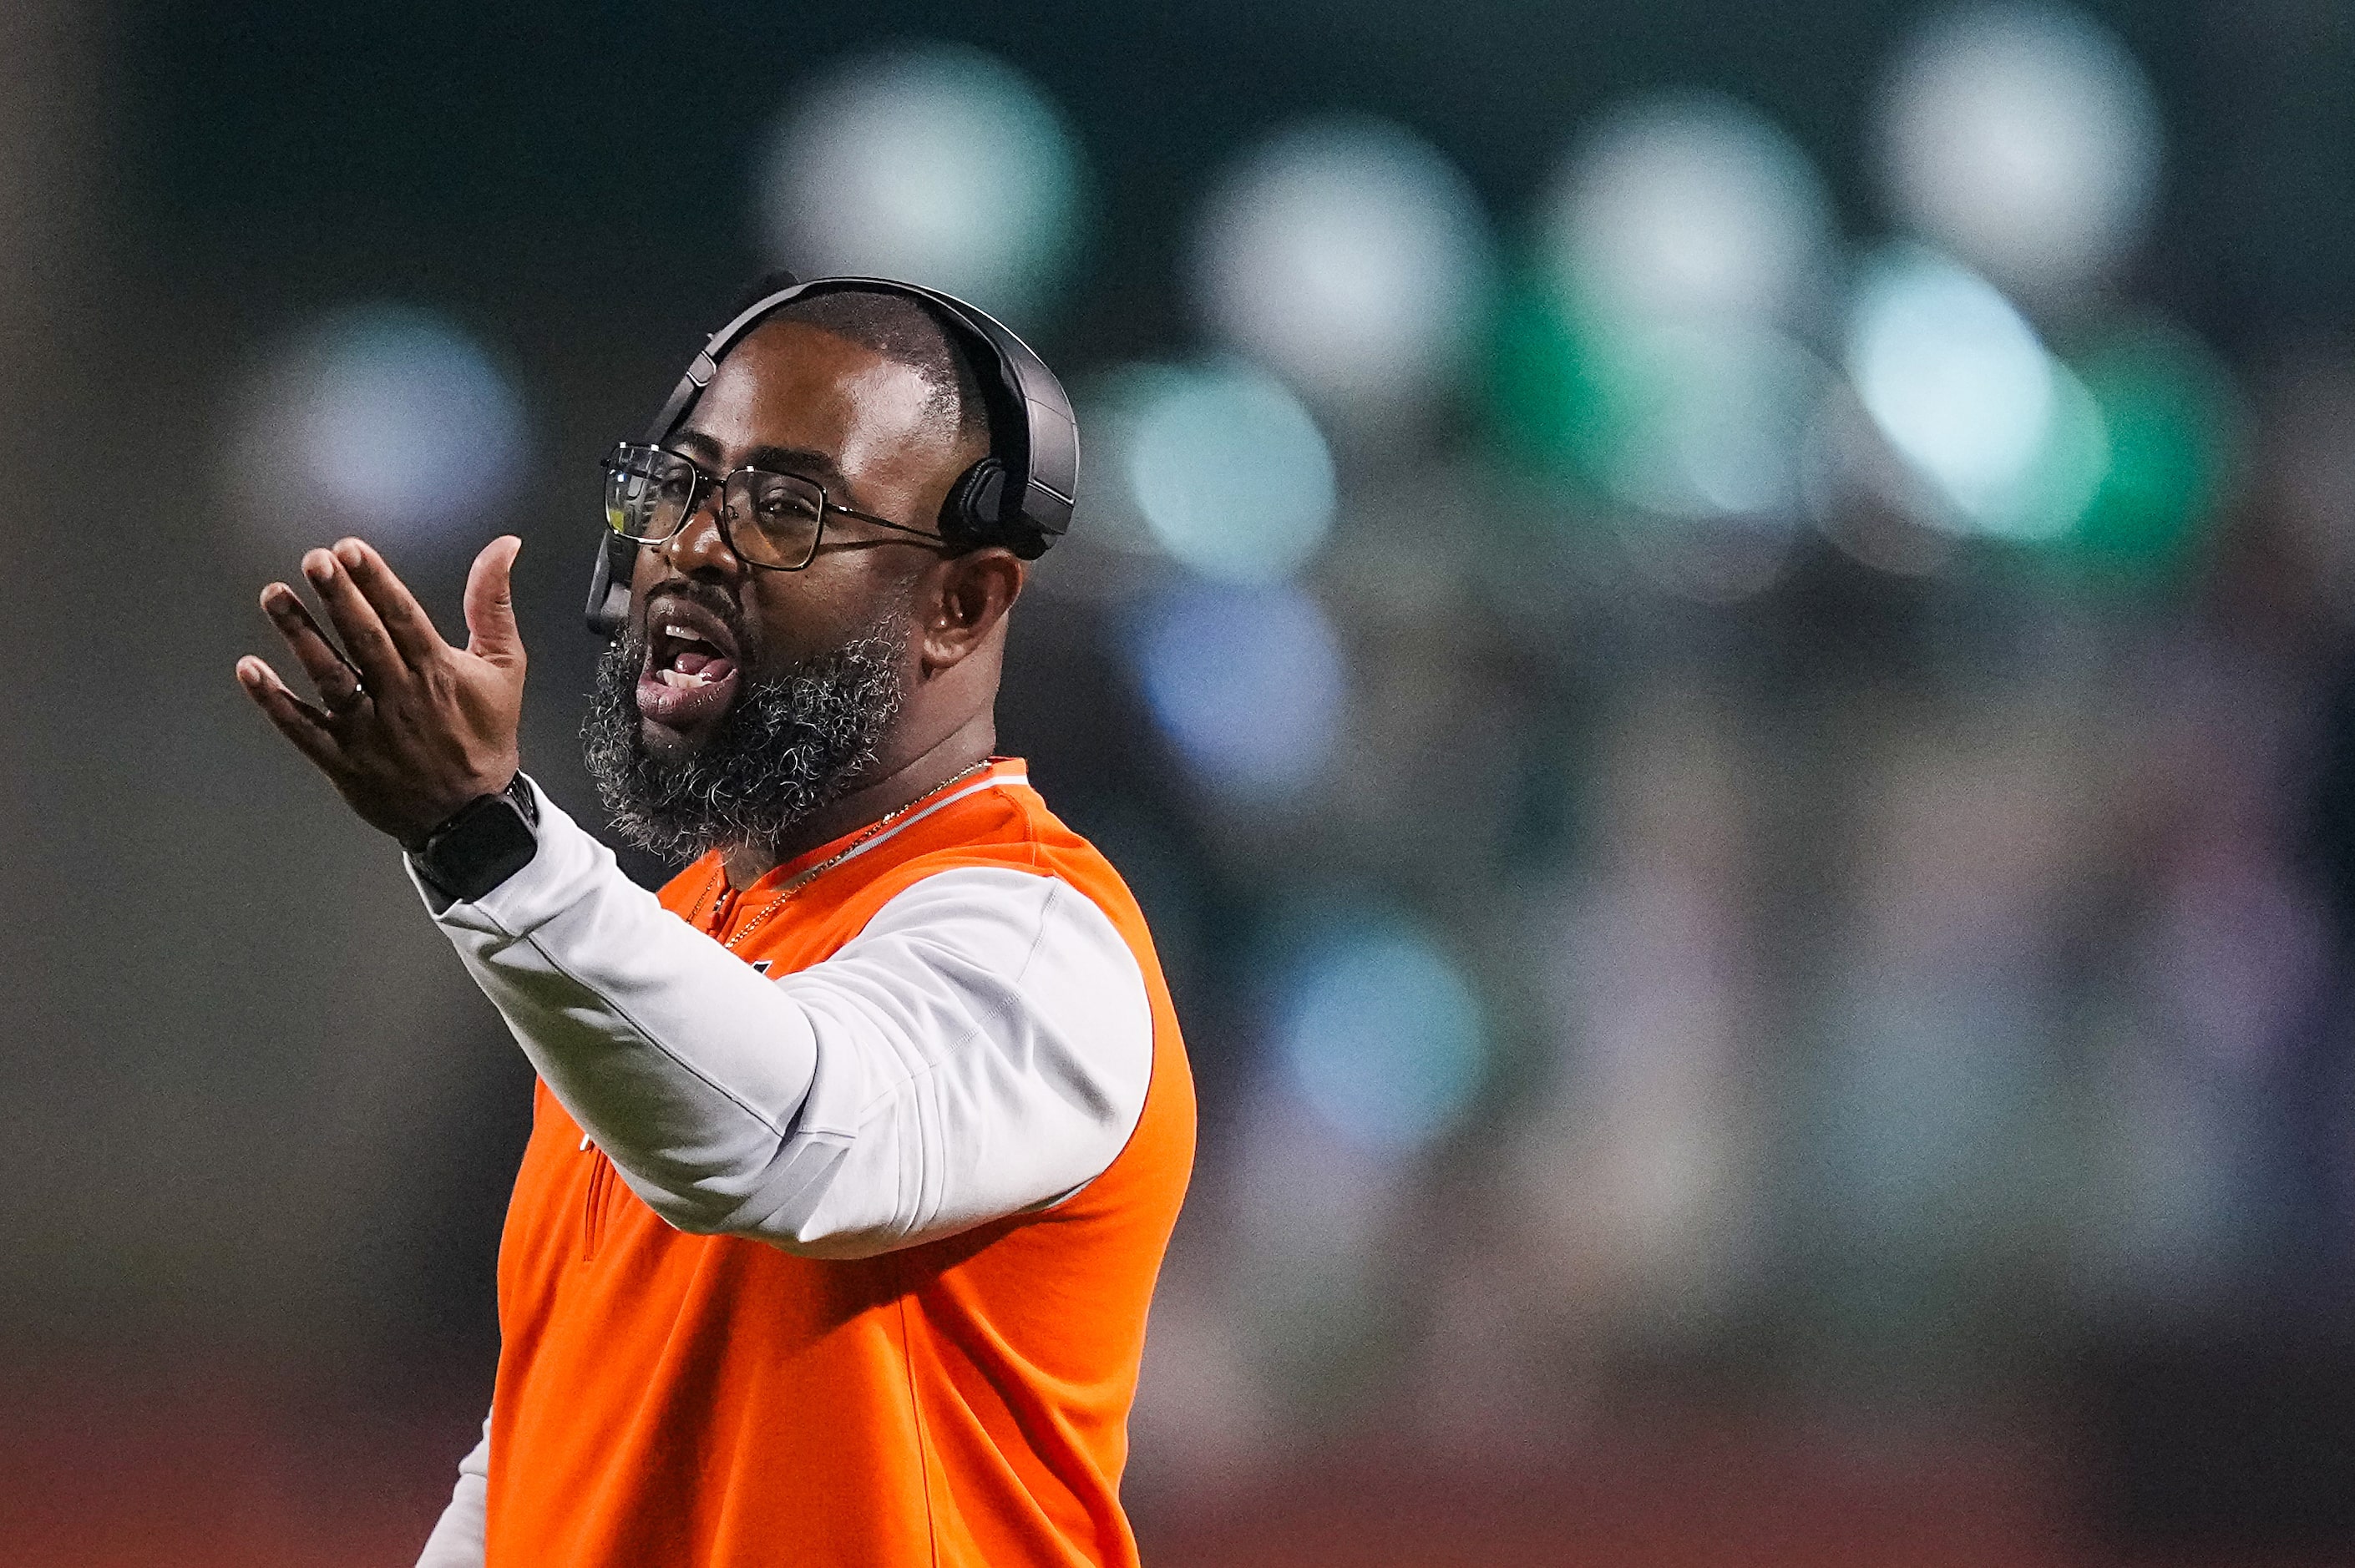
(666, 1398)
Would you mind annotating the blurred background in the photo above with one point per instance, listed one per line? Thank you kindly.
(1719, 638)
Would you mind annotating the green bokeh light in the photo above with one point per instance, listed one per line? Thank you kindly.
(1548, 401)
(2175, 425)
(1670, 418)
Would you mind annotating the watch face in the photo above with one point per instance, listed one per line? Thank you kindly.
(481, 847)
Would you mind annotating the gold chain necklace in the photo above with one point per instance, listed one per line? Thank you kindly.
(830, 862)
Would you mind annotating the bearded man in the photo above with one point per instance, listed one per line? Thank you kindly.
(854, 1154)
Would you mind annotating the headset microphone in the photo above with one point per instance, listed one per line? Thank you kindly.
(1019, 496)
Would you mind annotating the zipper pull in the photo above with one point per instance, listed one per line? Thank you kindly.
(584, 1143)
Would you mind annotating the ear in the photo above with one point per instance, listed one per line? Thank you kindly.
(970, 596)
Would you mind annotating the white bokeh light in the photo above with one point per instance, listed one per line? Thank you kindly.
(1381, 1034)
(1247, 684)
(381, 419)
(2026, 140)
(1229, 472)
(941, 166)
(1686, 204)
(1961, 386)
(1350, 258)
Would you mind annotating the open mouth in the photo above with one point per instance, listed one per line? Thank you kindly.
(689, 676)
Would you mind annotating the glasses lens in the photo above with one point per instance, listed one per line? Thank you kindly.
(772, 518)
(647, 491)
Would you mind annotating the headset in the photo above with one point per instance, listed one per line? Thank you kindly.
(1018, 496)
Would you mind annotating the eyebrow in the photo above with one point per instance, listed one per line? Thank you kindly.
(802, 461)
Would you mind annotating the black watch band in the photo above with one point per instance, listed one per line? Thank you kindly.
(484, 843)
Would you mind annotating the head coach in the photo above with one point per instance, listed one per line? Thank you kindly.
(854, 1154)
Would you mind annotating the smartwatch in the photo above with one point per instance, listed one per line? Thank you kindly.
(483, 843)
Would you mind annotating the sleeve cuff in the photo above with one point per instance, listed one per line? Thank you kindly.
(569, 860)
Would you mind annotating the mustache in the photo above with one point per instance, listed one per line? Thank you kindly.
(717, 602)
(792, 742)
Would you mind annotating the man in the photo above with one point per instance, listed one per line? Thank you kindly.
(854, 1157)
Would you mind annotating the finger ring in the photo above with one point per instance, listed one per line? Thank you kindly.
(348, 701)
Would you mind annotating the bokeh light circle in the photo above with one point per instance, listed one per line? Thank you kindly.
(1686, 204)
(1246, 683)
(1381, 1034)
(1350, 258)
(2026, 140)
(1965, 392)
(2177, 425)
(1663, 418)
(942, 166)
(1230, 472)
(384, 419)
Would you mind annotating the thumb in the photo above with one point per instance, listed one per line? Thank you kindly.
(492, 634)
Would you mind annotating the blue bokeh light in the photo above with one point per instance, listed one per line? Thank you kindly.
(385, 419)
(1381, 1034)
(1247, 684)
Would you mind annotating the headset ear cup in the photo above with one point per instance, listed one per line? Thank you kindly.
(974, 513)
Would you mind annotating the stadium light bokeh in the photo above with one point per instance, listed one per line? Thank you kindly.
(940, 164)
(2006, 435)
(1380, 1033)
(1350, 258)
(1248, 683)
(382, 419)
(2177, 424)
(2024, 138)
(1228, 469)
(1703, 420)
(1654, 356)
(1686, 204)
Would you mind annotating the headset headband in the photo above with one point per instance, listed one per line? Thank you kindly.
(1018, 496)
(1048, 459)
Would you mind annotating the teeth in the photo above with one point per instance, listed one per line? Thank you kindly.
(677, 678)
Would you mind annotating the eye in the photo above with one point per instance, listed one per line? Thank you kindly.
(784, 502)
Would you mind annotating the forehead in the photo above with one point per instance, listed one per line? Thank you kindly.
(793, 386)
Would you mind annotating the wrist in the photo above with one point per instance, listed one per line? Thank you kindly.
(414, 836)
(482, 844)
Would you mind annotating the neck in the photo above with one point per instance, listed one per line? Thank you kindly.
(869, 800)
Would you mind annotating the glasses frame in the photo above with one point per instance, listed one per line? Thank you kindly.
(707, 484)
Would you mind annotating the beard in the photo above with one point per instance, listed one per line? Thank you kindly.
(790, 744)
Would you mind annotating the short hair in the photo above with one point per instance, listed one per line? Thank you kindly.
(903, 329)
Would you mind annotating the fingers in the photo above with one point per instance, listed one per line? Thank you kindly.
(331, 674)
(380, 663)
(297, 720)
(491, 629)
(404, 620)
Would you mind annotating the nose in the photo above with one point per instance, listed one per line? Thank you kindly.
(700, 548)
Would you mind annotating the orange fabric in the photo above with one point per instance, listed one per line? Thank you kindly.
(674, 1399)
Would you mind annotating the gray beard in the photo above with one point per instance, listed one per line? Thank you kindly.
(791, 744)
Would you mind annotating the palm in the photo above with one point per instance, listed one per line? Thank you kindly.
(408, 727)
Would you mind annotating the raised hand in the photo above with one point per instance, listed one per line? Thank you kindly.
(408, 728)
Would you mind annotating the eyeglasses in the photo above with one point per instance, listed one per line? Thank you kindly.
(769, 520)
